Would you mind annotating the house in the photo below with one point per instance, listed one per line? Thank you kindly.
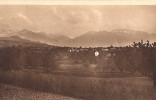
(97, 53)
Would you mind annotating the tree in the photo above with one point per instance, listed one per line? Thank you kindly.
(48, 59)
(11, 58)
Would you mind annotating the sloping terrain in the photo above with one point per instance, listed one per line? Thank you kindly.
(9, 92)
(43, 37)
(15, 41)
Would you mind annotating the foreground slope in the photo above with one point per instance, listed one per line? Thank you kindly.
(9, 92)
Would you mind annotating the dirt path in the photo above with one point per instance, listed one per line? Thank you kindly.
(8, 92)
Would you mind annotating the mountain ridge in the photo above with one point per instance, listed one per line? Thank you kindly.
(117, 37)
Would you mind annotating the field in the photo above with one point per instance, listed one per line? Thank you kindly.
(86, 88)
(10, 92)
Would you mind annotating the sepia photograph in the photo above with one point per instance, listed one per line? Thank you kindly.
(77, 52)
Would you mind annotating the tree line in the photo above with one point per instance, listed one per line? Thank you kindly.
(17, 57)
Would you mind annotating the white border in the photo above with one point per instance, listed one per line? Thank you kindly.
(67, 2)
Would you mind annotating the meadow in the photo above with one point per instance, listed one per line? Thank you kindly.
(86, 88)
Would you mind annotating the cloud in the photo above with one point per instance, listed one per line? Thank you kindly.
(1, 18)
(21, 15)
(76, 20)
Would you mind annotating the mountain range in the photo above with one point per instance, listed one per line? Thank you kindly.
(118, 37)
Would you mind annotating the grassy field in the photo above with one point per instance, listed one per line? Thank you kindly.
(10, 92)
(86, 88)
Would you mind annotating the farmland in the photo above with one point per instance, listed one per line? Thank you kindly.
(78, 75)
(86, 88)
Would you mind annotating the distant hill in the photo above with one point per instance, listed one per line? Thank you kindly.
(16, 41)
(58, 40)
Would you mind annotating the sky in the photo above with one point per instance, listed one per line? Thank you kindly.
(76, 20)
